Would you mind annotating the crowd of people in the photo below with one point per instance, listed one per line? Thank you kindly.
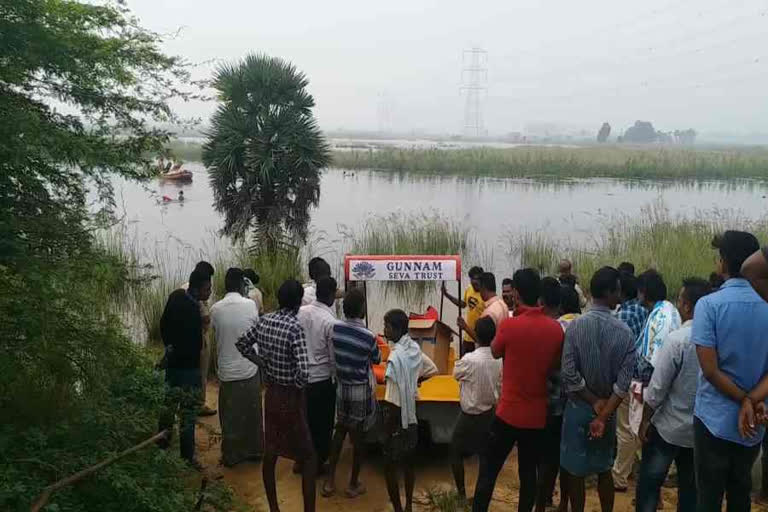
(578, 382)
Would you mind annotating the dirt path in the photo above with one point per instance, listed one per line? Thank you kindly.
(432, 472)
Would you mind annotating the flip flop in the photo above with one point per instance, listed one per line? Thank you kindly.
(354, 492)
(327, 492)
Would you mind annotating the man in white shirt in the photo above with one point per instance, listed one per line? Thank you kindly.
(479, 376)
(239, 389)
(251, 288)
(318, 268)
(317, 319)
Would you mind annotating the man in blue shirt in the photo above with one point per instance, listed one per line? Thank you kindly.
(730, 331)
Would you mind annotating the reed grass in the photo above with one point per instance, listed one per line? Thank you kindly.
(561, 162)
(157, 270)
(651, 162)
(417, 233)
(678, 247)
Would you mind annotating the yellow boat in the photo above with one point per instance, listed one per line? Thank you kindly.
(438, 404)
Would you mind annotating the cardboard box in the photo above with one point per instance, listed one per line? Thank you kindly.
(434, 338)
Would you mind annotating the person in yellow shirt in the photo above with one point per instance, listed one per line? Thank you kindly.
(473, 302)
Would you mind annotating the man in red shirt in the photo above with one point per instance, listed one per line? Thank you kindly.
(531, 344)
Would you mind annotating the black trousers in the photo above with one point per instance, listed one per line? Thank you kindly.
(321, 412)
(722, 468)
(502, 439)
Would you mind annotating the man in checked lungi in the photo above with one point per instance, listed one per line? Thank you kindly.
(281, 353)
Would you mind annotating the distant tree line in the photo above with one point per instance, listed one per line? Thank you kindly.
(643, 132)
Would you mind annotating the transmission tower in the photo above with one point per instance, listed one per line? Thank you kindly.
(474, 79)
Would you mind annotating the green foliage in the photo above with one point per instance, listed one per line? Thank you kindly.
(677, 247)
(264, 151)
(559, 162)
(440, 500)
(78, 83)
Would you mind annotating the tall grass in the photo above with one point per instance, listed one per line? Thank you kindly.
(159, 269)
(678, 247)
(561, 162)
(399, 233)
(651, 162)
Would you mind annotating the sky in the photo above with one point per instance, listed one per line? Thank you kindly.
(397, 64)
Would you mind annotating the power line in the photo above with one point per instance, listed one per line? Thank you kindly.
(474, 79)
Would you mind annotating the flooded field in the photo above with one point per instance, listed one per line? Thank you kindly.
(496, 212)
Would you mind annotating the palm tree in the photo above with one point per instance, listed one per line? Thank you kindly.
(264, 151)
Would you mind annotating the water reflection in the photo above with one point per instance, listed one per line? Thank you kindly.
(496, 211)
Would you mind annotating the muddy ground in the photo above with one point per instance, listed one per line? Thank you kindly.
(432, 472)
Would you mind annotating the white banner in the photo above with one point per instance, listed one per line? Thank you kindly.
(438, 269)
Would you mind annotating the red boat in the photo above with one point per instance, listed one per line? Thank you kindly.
(177, 176)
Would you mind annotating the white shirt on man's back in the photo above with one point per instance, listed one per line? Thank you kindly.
(479, 376)
(318, 320)
(231, 317)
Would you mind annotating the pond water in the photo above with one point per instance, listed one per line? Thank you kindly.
(495, 210)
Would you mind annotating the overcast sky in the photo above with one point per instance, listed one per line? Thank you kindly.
(397, 63)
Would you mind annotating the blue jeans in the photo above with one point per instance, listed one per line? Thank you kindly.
(182, 394)
(658, 456)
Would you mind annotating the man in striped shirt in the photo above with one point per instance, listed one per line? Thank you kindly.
(355, 349)
(598, 360)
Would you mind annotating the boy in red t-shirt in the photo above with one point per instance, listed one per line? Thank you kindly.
(531, 344)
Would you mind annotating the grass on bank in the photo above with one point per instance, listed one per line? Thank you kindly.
(560, 162)
(156, 271)
(399, 233)
(611, 161)
(678, 247)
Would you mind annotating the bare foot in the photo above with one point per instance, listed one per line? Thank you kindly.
(355, 491)
(329, 489)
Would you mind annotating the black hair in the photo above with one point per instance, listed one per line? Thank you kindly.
(398, 320)
(604, 282)
(528, 285)
(507, 282)
(488, 282)
(252, 276)
(233, 280)
(716, 280)
(205, 268)
(475, 272)
(354, 304)
(197, 279)
(568, 280)
(735, 247)
(695, 288)
(318, 268)
(290, 294)
(569, 300)
(326, 288)
(652, 285)
(485, 330)
(628, 285)
(550, 292)
(626, 267)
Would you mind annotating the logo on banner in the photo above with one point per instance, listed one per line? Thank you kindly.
(364, 270)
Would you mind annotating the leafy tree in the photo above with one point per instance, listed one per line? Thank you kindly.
(264, 150)
(642, 132)
(604, 133)
(79, 85)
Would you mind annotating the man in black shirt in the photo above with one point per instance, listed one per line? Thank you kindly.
(181, 328)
